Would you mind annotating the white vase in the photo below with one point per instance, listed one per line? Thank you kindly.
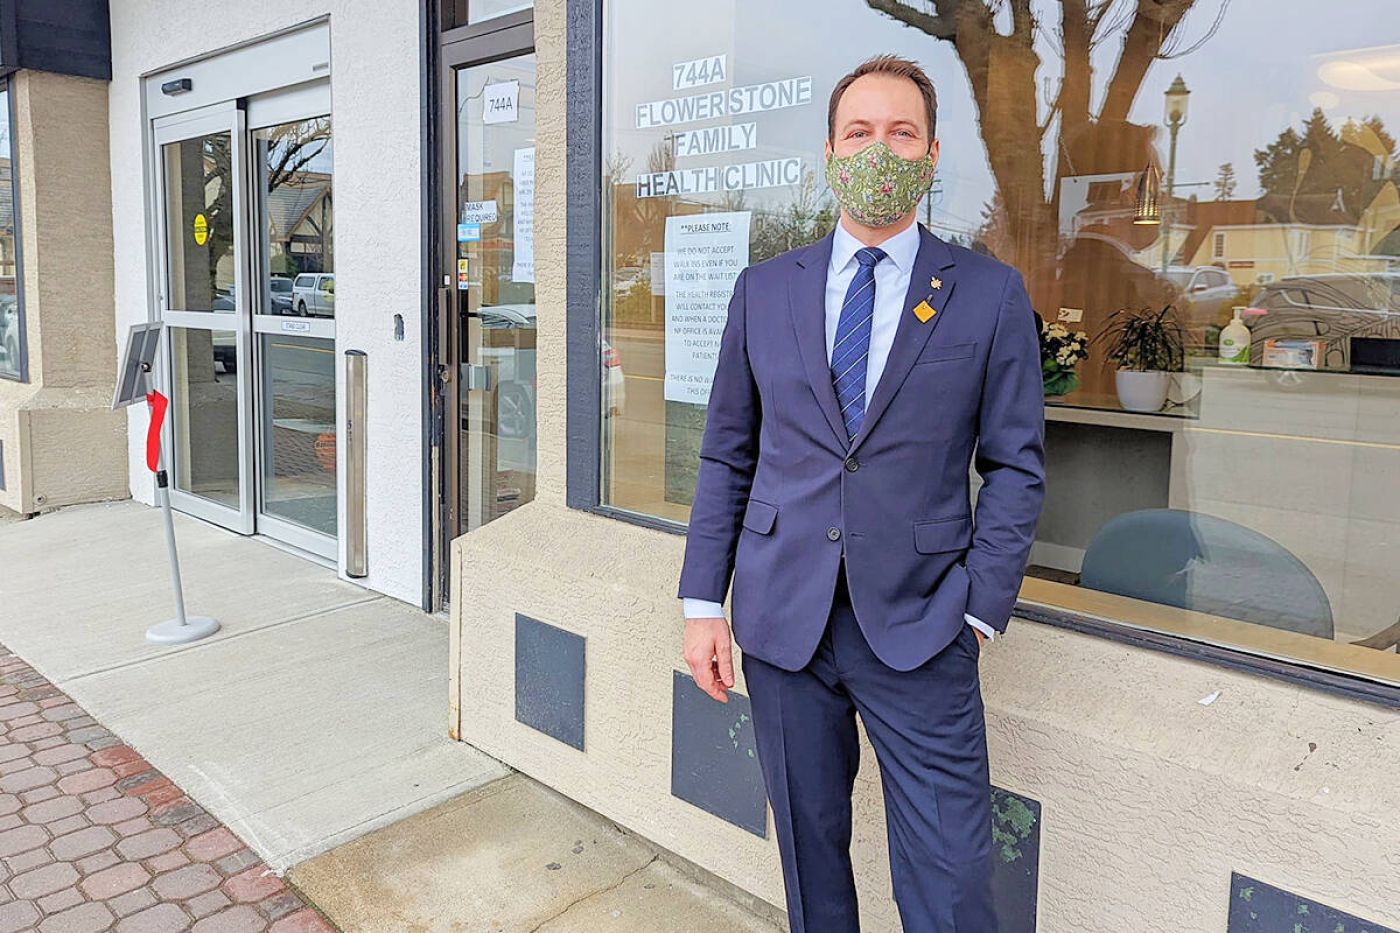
(1139, 391)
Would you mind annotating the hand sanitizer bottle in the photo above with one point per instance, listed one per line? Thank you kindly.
(1234, 340)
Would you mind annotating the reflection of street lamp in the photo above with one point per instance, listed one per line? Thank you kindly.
(1145, 196)
(1176, 117)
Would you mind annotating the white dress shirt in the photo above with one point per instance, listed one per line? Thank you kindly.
(891, 284)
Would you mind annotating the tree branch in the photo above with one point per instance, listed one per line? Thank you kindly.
(1152, 24)
(935, 25)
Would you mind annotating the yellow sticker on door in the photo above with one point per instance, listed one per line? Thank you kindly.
(201, 229)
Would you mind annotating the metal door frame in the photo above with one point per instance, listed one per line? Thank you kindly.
(508, 36)
(227, 116)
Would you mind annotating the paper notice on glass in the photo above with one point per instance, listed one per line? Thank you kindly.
(500, 103)
(478, 212)
(704, 255)
(523, 269)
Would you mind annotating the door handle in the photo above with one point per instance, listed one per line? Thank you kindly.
(478, 377)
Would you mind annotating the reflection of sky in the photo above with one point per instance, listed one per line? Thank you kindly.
(1257, 74)
(491, 148)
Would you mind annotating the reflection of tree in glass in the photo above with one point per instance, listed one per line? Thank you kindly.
(291, 148)
(807, 216)
(288, 156)
(216, 195)
(1323, 174)
(1225, 182)
(1004, 71)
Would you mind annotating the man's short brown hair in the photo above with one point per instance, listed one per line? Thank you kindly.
(895, 67)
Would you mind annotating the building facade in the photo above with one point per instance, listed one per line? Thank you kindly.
(441, 311)
(60, 443)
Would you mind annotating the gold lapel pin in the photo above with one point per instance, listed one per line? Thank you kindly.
(936, 282)
(923, 311)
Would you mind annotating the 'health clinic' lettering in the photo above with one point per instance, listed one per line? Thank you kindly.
(771, 173)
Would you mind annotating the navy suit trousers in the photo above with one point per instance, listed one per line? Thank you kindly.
(929, 734)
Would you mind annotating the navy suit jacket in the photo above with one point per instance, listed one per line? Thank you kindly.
(782, 492)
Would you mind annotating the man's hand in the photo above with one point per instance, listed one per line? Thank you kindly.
(707, 652)
(981, 639)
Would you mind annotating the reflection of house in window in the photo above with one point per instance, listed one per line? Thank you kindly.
(300, 214)
(1273, 236)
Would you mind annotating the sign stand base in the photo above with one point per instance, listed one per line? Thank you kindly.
(177, 631)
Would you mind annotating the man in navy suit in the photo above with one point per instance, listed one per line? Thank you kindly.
(857, 379)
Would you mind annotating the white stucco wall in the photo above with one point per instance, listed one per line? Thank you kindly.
(378, 166)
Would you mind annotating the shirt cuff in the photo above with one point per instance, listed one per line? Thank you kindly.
(701, 608)
(981, 626)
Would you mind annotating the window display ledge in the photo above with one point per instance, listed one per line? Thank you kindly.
(1336, 667)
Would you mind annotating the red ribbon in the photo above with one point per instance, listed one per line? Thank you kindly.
(158, 404)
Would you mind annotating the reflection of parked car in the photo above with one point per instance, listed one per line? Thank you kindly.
(514, 369)
(1332, 307)
(313, 293)
(279, 291)
(9, 331)
(1205, 297)
(225, 346)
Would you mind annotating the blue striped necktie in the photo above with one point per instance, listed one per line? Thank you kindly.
(851, 348)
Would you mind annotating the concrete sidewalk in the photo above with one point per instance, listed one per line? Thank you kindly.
(313, 726)
(513, 856)
(317, 713)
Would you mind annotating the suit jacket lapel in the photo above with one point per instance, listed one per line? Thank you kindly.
(933, 259)
(807, 305)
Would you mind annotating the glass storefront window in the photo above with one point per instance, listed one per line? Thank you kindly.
(1152, 175)
(11, 309)
(467, 12)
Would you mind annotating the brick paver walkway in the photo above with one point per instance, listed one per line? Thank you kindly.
(93, 838)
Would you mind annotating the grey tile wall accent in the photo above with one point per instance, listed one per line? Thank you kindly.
(549, 669)
(1015, 860)
(714, 763)
(1256, 907)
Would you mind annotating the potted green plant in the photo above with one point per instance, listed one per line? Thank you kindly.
(1147, 346)
(1061, 350)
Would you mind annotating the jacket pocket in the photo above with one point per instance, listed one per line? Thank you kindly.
(943, 534)
(941, 353)
(759, 516)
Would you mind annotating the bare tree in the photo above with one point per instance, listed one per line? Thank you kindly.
(1002, 69)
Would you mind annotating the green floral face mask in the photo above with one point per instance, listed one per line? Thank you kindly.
(877, 187)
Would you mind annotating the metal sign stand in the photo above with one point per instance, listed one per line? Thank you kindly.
(133, 387)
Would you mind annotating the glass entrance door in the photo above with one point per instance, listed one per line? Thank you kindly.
(492, 291)
(248, 297)
(294, 330)
(203, 302)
